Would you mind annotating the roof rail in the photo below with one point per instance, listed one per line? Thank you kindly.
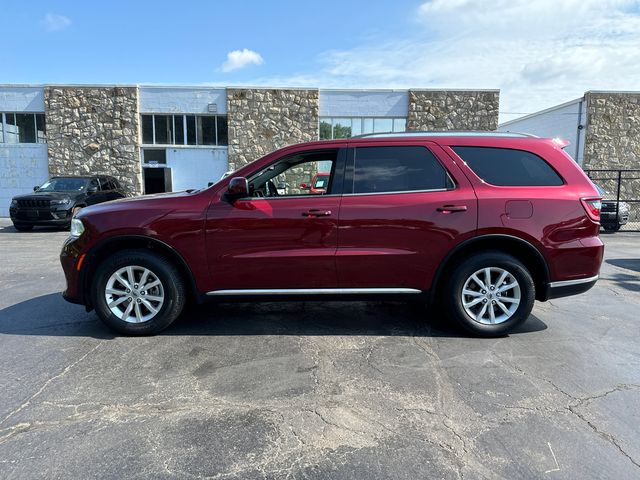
(445, 134)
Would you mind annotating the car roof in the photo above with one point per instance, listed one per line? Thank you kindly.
(449, 138)
(82, 176)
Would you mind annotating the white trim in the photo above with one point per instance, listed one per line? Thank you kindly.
(313, 291)
(568, 283)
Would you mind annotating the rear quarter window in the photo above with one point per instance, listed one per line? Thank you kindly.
(509, 167)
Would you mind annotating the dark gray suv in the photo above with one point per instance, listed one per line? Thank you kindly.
(55, 201)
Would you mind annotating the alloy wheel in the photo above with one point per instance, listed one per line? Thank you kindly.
(134, 294)
(491, 295)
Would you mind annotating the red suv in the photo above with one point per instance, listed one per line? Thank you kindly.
(483, 224)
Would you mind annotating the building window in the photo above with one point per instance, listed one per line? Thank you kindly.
(346, 127)
(210, 130)
(22, 128)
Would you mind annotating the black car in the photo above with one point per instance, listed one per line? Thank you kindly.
(55, 201)
(613, 213)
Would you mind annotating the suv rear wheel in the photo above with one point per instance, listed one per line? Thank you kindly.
(490, 294)
(137, 292)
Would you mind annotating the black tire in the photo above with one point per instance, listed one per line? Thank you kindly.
(172, 283)
(611, 228)
(22, 227)
(452, 294)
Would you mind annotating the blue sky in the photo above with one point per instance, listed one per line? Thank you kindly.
(538, 53)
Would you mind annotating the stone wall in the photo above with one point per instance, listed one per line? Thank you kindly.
(94, 130)
(264, 119)
(432, 110)
(613, 131)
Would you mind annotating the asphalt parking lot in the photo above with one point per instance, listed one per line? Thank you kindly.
(316, 390)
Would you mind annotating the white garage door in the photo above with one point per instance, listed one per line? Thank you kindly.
(22, 166)
(196, 167)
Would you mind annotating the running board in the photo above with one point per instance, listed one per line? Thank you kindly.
(315, 291)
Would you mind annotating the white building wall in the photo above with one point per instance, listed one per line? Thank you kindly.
(371, 103)
(561, 121)
(182, 99)
(22, 166)
(196, 168)
(21, 99)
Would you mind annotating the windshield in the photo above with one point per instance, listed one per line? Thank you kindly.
(64, 185)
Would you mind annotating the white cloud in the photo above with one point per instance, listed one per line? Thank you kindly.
(538, 53)
(53, 22)
(241, 58)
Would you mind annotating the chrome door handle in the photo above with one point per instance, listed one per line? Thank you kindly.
(317, 213)
(452, 208)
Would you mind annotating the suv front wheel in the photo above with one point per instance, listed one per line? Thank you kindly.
(137, 292)
(490, 294)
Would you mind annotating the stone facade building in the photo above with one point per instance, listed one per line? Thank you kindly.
(603, 128)
(94, 130)
(173, 138)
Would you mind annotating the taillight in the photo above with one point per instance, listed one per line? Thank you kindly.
(592, 206)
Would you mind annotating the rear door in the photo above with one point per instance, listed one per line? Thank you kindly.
(404, 207)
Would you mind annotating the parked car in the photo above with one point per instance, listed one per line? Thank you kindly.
(318, 184)
(54, 202)
(614, 214)
(483, 224)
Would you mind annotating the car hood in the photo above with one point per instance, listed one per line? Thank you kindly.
(154, 201)
(47, 195)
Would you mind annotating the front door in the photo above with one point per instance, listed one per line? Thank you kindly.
(284, 236)
(403, 209)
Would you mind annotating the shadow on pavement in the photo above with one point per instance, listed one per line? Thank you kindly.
(628, 263)
(38, 229)
(50, 315)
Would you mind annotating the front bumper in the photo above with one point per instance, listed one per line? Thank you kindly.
(611, 218)
(53, 216)
(70, 259)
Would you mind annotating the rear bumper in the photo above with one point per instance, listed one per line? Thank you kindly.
(567, 288)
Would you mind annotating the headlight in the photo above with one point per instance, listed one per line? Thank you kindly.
(77, 228)
(14, 203)
(62, 201)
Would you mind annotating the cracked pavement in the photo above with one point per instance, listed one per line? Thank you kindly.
(316, 389)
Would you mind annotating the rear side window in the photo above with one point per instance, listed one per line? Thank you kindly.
(397, 169)
(508, 167)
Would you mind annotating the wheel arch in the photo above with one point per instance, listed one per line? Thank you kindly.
(521, 249)
(132, 242)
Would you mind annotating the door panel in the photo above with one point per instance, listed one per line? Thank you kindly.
(399, 239)
(273, 242)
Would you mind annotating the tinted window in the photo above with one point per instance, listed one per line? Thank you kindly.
(507, 167)
(397, 169)
(104, 183)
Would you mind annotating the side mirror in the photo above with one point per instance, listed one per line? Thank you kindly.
(35, 189)
(238, 188)
(92, 189)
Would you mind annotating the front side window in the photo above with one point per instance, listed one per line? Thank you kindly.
(104, 184)
(508, 167)
(397, 169)
(307, 173)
